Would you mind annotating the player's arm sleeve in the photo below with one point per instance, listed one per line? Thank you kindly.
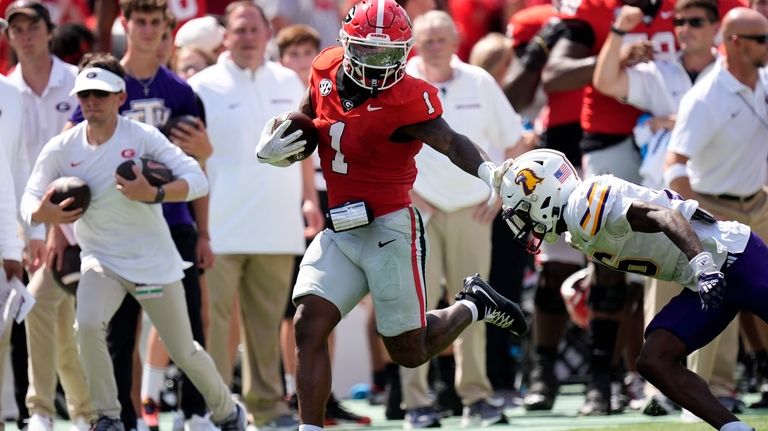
(694, 127)
(183, 166)
(43, 173)
(589, 212)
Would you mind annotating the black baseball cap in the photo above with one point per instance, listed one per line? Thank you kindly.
(30, 8)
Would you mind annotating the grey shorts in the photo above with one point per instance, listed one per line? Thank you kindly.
(386, 258)
(621, 160)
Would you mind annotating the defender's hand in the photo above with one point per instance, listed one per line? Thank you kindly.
(274, 148)
(711, 282)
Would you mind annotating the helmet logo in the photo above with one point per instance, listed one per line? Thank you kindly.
(527, 180)
(350, 15)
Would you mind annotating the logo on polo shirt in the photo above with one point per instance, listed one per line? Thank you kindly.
(63, 107)
(91, 75)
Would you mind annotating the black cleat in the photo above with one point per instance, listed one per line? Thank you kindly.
(492, 307)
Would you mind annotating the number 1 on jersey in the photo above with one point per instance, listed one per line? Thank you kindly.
(338, 164)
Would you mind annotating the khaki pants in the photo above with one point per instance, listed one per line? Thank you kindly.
(99, 295)
(263, 283)
(53, 350)
(459, 246)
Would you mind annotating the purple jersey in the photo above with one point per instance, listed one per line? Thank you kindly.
(153, 102)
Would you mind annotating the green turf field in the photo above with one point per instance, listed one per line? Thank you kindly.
(562, 418)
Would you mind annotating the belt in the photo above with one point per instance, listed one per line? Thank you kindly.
(733, 197)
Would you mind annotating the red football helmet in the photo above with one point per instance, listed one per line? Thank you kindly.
(377, 37)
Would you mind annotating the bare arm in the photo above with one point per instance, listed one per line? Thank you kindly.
(438, 134)
(610, 77)
(570, 67)
(648, 218)
(306, 105)
(520, 85)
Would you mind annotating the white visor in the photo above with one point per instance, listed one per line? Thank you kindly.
(94, 78)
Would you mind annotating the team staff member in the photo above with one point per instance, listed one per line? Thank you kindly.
(151, 269)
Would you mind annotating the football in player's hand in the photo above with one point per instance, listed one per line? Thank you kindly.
(174, 122)
(69, 276)
(157, 174)
(71, 187)
(300, 121)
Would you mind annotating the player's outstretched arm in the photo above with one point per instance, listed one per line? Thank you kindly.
(649, 218)
(644, 217)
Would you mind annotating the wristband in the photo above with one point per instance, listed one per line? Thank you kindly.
(618, 31)
(485, 172)
(160, 196)
(674, 172)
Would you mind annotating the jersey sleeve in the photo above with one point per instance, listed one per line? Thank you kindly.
(423, 103)
(594, 204)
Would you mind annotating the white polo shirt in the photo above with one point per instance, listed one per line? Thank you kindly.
(473, 105)
(255, 208)
(11, 245)
(129, 237)
(722, 127)
(658, 86)
(44, 115)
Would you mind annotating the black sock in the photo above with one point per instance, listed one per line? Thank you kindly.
(380, 378)
(603, 343)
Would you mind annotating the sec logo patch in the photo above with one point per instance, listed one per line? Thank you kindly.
(325, 87)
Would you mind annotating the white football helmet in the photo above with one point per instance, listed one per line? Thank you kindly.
(533, 192)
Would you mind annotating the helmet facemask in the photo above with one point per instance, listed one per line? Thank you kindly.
(374, 64)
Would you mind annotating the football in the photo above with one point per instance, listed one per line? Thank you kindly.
(69, 276)
(157, 174)
(174, 121)
(71, 187)
(300, 121)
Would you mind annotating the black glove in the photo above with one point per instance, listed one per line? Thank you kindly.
(537, 50)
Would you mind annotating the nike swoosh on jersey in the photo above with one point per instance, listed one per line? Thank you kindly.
(382, 244)
(667, 14)
(374, 108)
(76, 164)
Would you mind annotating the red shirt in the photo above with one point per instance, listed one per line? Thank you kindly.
(360, 161)
(185, 10)
(603, 114)
(474, 19)
(564, 106)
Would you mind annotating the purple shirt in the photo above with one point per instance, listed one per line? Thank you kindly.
(153, 101)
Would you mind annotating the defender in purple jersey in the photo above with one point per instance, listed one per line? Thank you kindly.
(658, 234)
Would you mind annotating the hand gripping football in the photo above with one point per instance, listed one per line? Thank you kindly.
(300, 121)
(157, 174)
(71, 187)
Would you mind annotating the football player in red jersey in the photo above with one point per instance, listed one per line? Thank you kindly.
(372, 119)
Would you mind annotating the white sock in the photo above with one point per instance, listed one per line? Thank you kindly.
(736, 426)
(305, 427)
(471, 305)
(152, 382)
(290, 384)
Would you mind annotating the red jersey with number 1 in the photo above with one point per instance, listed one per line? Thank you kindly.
(359, 158)
(603, 114)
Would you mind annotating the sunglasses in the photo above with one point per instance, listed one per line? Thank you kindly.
(693, 22)
(759, 38)
(100, 94)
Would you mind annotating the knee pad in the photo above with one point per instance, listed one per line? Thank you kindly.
(607, 298)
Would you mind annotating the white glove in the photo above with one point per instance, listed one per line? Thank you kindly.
(493, 176)
(709, 279)
(273, 148)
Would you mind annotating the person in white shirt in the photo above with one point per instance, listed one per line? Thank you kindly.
(256, 212)
(453, 203)
(126, 244)
(45, 82)
(657, 88)
(11, 245)
(717, 152)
